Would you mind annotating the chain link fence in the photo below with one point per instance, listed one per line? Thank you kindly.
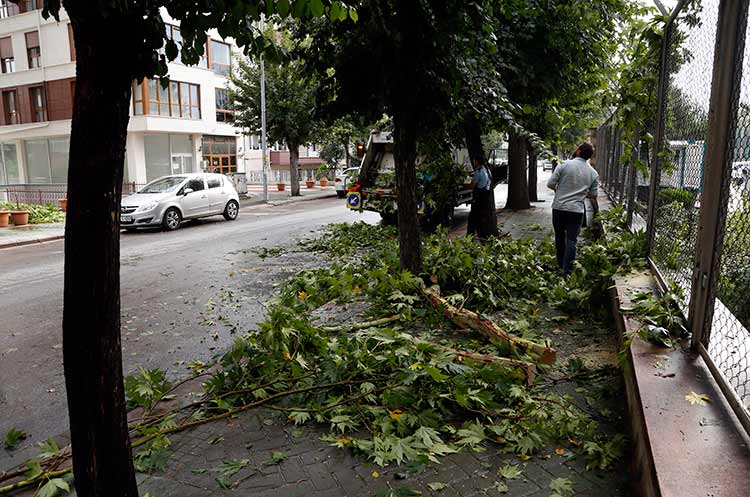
(698, 179)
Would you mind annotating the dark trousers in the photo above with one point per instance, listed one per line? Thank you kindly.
(482, 207)
(567, 225)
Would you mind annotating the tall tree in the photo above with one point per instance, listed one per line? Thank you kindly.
(555, 55)
(117, 42)
(290, 105)
(409, 60)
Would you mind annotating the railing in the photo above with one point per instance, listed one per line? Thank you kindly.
(694, 199)
(43, 195)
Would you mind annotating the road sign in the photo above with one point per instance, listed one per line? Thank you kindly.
(354, 201)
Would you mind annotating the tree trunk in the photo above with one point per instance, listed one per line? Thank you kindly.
(346, 152)
(532, 174)
(405, 156)
(483, 213)
(554, 152)
(102, 460)
(518, 190)
(294, 168)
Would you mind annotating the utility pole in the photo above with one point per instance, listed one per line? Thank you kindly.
(263, 140)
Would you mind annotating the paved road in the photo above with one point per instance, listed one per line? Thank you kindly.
(167, 282)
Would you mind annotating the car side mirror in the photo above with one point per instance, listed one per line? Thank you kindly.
(187, 190)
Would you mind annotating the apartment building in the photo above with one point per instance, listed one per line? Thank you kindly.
(186, 127)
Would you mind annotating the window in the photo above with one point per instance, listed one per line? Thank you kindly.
(214, 181)
(255, 142)
(47, 160)
(221, 58)
(224, 112)
(173, 33)
(221, 153)
(33, 51)
(38, 104)
(196, 184)
(10, 105)
(29, 5)
(6, 55)
(58, 159)
(8, 9)
(181, 100)
(71, 42)
(8, 164)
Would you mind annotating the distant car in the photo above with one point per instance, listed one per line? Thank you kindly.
(546, 165)
(167, 201)
(344, 180)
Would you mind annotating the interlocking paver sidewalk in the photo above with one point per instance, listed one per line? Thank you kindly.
(13, 236)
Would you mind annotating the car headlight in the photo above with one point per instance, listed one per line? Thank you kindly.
(147, 207)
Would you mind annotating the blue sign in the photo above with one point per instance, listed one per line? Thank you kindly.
(354, 201)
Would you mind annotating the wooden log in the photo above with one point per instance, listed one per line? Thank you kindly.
(528, 368)
(465, 318)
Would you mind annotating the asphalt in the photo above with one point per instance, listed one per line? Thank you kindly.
(169, 281)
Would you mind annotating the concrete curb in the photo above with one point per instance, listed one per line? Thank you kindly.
(31, 242)
(293, 200)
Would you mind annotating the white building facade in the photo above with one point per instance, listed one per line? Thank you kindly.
(186, 127)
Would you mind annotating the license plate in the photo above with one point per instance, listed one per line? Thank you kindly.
(126, 219)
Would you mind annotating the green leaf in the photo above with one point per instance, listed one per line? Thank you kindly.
(437, 486)
(510, 471)
(13, 437)
(48, 449)
(277, 458)
(561, 487)
(53, 488)
(501, 487)
(353, 14)
(317, 8)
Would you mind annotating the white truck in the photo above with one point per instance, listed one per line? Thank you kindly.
(375, 190)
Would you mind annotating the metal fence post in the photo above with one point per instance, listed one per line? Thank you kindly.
(634, 157)
(656, 160)
(727, 75)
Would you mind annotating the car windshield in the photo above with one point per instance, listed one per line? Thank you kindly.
(163, 184)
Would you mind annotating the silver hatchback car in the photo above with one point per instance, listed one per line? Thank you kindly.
(170, 199)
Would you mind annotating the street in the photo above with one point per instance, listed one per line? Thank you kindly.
(167, 280)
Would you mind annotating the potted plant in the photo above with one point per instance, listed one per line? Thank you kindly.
(4, 218)
(310, 183)
(281, 186)
(20, 218)
(63, 204)
(323, 181)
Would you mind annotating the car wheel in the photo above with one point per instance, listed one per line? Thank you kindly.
(231, 211)
(172, 219)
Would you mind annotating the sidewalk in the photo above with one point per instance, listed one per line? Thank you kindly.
(273, 457)
(255, 195)
(31, 233)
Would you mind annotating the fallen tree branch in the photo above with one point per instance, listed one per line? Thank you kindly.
(360, 326)
(470, 319)
(528, 368)
(240, 409)
(33, 481)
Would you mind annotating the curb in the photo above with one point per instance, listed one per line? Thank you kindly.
(288, 201)
(31, 242)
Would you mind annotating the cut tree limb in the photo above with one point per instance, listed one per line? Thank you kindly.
(528, 368)
(468, 319)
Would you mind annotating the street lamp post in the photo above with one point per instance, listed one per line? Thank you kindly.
(263, 140)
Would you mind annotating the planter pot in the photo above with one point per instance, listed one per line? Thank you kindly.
(323, 182)
(310, 184)
(63, 204)
(4, 218)
(20, 218)
(281, 186)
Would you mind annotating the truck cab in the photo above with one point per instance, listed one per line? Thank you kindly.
(375, 189)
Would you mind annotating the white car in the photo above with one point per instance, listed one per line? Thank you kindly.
(344, 180)
(169, 200)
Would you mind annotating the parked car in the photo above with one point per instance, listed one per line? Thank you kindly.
(345, 180)
(546, 165)
(169, 200)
